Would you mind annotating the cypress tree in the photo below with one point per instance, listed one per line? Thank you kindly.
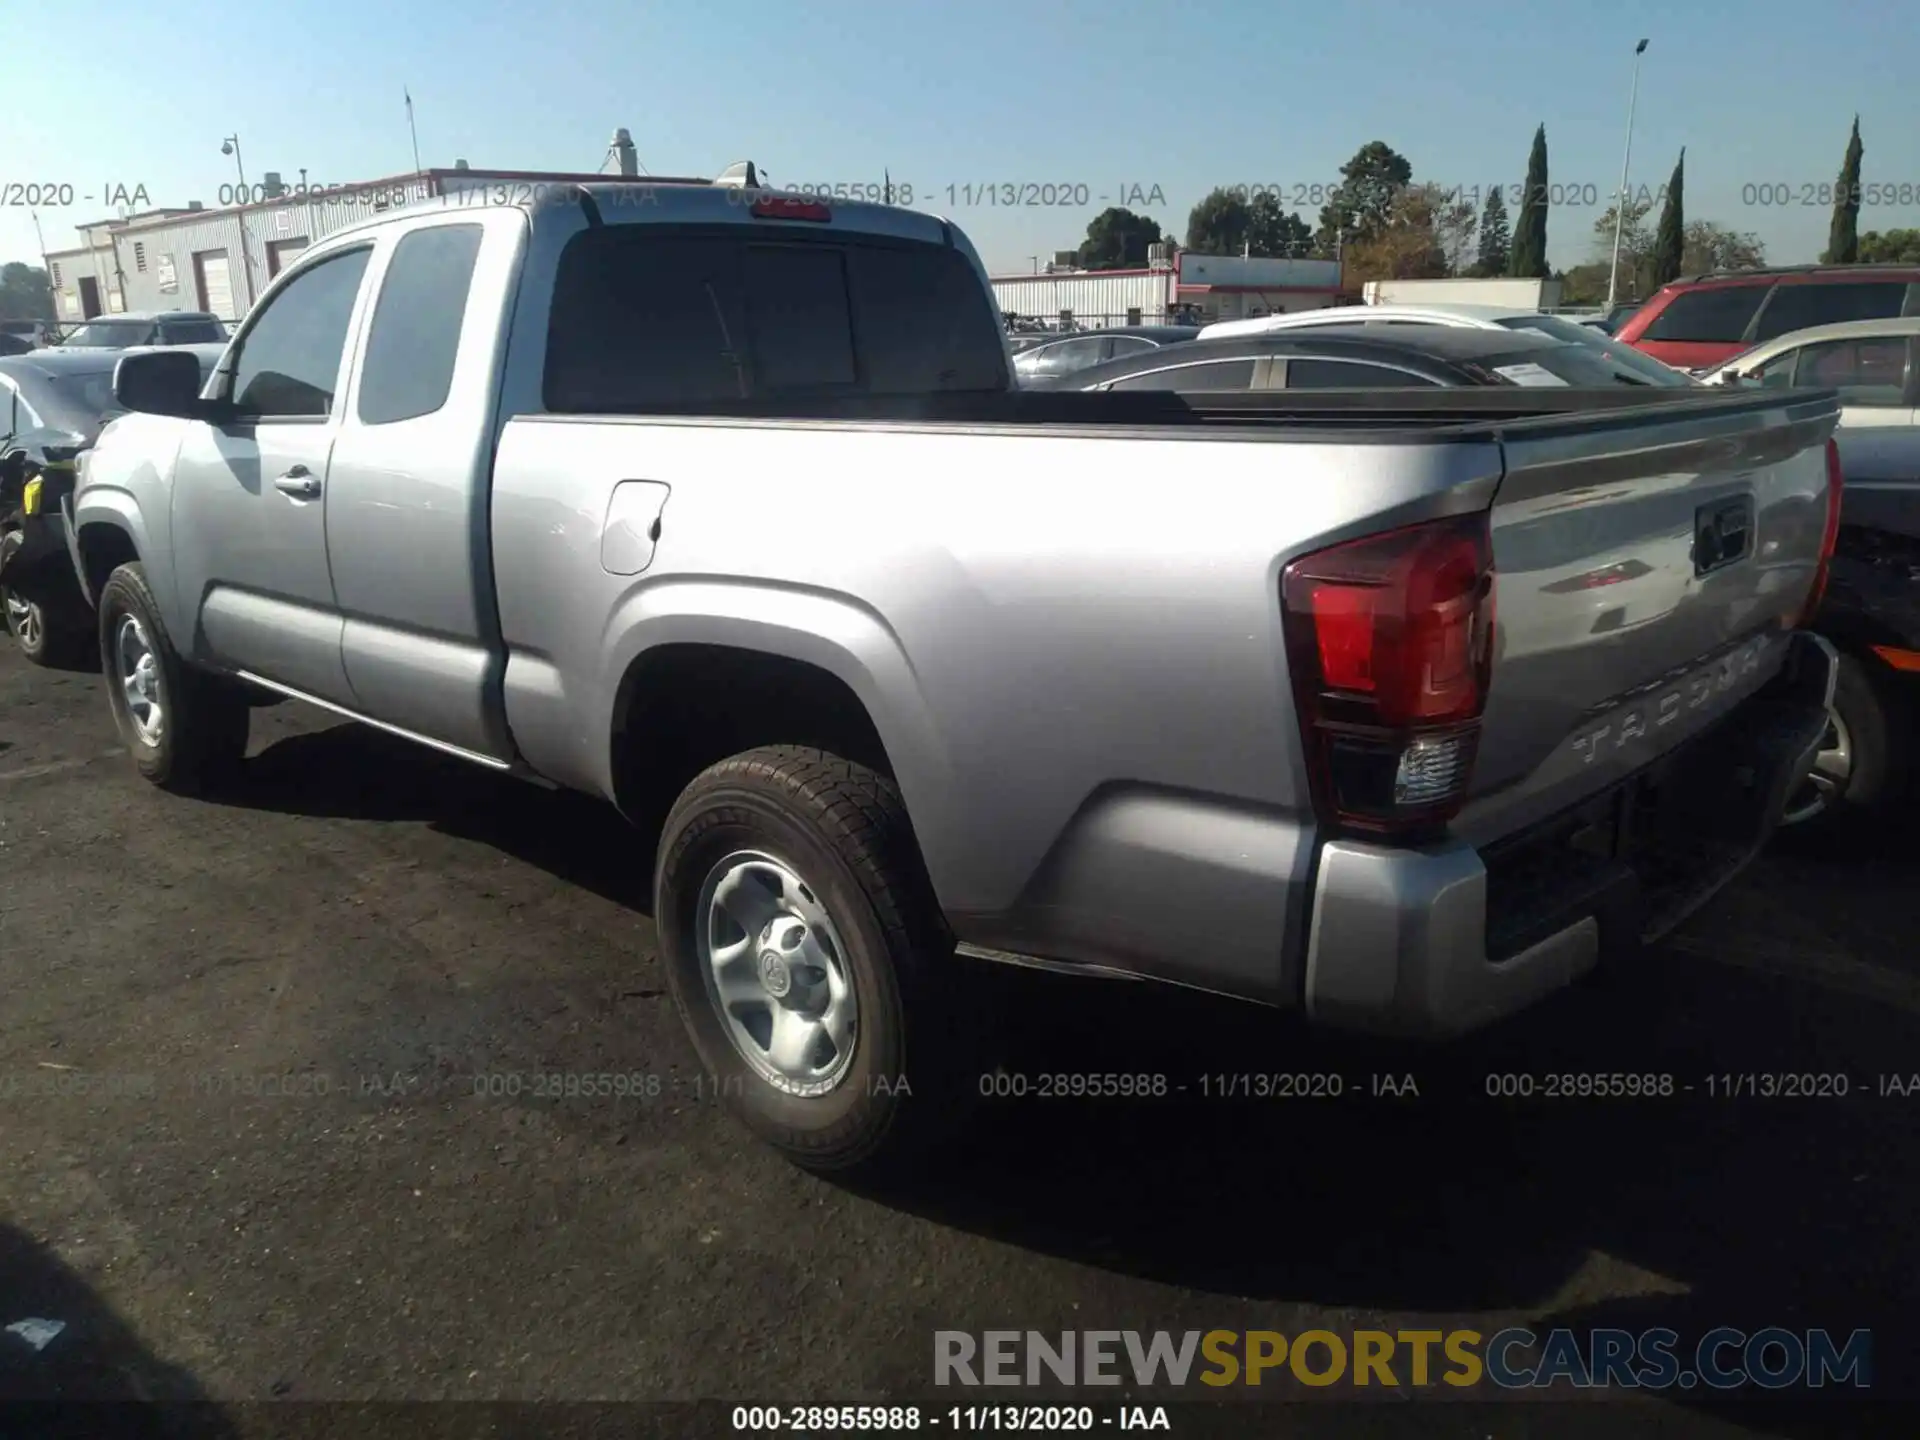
(1529, 260)
(1843, 238)
(1496, 236)
(1670, 240)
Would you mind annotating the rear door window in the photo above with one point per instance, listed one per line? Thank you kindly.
(1209, 375)
(1802, 306)
(1349, 375)
(415, 336)
(644, 317)
(1717, 316)
(1868, 372)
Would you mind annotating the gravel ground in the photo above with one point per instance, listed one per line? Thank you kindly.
(382, 924)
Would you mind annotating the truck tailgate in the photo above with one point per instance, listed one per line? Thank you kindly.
(1647, 568)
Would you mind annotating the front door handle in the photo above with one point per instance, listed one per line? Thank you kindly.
(299, 481)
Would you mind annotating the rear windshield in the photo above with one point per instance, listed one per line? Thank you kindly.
(644, 317)
(112, 334)
(1578, 365)
(1636, 363)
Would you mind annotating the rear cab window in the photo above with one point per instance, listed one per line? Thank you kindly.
(645, 317)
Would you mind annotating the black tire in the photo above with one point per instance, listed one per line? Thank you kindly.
(1875, 716)
(844, 829)
(202, 736)
(53, 638)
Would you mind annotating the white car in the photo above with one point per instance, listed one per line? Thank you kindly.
(1635, 363)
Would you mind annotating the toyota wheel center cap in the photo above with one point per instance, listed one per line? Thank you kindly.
(774, 974)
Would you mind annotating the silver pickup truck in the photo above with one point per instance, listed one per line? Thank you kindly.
(1391, 707)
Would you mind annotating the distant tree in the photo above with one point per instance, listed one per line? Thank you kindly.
(1585, 284)
(1670, 240)
(1891, 247)
(25, 293)
(1455, 226)
(1117, 239)
(1496, 236)
(1276, 232)
(1714, 247)
(1359, 209)
(1412, 242)
(1529, 258)
(1843, 235)
(1636, 246)
(1218, 225)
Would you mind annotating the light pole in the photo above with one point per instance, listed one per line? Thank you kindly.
(231, 146)
(1620, 205)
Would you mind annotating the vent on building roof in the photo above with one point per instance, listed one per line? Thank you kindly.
(196, 205)
(139, 255)
(461, 165)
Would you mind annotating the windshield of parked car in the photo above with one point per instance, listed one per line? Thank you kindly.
(1636, 363)
(111, 334)
(87, 392)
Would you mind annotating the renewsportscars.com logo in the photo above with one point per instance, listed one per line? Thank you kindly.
(1512, 1359)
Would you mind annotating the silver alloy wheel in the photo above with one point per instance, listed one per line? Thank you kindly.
(1827, 781)
(777, 973)
(138, 670)
(25, 620)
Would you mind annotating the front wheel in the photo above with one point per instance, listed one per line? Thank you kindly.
(809, 960)
(185, 729)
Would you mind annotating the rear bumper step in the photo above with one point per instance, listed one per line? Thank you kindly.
(1442, 940)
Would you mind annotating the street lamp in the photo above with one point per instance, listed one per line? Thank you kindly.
(1620, 205)
(231, 146)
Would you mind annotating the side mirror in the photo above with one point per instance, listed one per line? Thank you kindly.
(161, 382)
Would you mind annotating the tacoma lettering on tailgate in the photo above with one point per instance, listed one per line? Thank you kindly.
(1654, 707)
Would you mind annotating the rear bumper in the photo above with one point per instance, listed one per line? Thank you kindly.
(1438, 941)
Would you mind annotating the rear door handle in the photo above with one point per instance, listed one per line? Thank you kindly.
(299, 481)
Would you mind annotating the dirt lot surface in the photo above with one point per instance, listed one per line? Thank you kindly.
(371, 927)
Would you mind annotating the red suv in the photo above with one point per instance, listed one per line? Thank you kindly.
(1702, 320)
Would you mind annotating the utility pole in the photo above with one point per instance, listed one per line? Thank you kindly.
(231, 146)
(1620, 205)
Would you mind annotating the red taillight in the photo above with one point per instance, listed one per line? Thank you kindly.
(789, 207)
(1829, 538)
(1390, 642)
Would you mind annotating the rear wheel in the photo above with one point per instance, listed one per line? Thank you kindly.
(185, 729)
(1864, 762)
(810, 962)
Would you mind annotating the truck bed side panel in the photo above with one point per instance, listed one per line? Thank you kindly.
(1069, 643)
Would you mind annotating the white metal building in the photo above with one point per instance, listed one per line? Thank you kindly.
(1088, 298)
(220, 260)
(1196, 289)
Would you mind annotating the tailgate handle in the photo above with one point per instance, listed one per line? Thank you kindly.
(1722, 534)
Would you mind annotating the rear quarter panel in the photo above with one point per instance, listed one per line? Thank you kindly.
(1069, 643)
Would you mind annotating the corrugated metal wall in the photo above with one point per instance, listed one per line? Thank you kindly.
(1096, 300)
(143, 250)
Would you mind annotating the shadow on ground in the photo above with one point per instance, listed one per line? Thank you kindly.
(95, 1376)
(356, 772)
(1693, 1211)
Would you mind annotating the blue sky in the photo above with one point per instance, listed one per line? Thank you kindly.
(1128, 93)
